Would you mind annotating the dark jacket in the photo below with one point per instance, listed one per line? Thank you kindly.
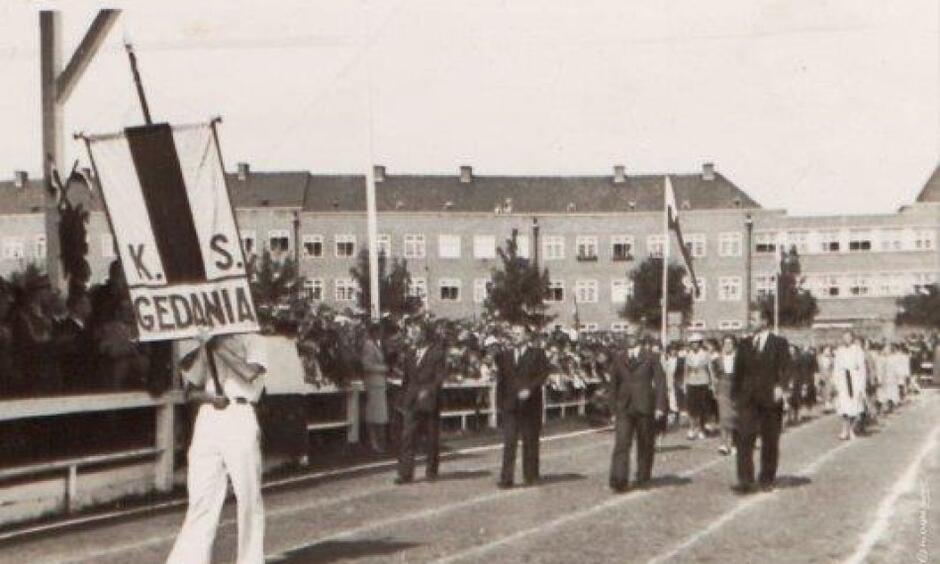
(638, 386)
(529, 374)
(762, 371)
(427, 375)
(75, 349)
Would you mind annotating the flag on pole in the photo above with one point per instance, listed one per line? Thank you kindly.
(672, 222)
(169, 209)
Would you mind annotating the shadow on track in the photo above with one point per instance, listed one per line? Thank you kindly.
(463, 475)
(335, 551)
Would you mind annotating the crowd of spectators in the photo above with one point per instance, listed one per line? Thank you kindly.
(81, 343)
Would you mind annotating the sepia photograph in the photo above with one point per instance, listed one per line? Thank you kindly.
(501, 281)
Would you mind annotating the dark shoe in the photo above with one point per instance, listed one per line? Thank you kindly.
(743, 489)
(643, 484)
(620, 487)
(767, 487)
(532, 482)
(504, 485)
(400, 480)
(431, 477)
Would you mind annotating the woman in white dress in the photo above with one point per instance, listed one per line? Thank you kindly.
(889, 394)
(849, 376)
(824, 379)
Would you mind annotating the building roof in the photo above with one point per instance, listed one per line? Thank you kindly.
(931, 190)
(528, 194)
(29, 199)
(268, 189)
(431, 193)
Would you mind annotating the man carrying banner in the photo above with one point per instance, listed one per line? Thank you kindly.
(223, 375)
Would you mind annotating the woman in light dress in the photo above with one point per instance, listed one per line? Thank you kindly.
(849, 376)
(896, 367)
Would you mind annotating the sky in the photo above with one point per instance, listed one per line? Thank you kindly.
(813, 106)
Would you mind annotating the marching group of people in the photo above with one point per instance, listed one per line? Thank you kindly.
(750, 385)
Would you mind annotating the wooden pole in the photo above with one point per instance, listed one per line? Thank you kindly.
(145, 108)
(56, 85)
(664, 328)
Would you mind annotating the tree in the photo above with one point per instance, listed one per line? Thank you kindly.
(920, 308)
(394, 285)
(797, 305)
(272, 285)
(517, 290)
(645, 305)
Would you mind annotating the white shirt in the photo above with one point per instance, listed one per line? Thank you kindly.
(760, 340)
(420, 354)
(248, 346)
(849, 358)
(727, 361)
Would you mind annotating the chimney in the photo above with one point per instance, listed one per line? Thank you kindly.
(19, 178)
(466, 174)
(378, 173)
(243, 171)
(620, 175)
(708, 171)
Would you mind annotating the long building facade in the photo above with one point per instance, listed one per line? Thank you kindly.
(588, 231)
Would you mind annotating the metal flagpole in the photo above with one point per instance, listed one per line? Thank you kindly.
(665, 298)
(777, 305)
(371, 214)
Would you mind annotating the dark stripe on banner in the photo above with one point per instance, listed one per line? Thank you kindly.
(161, 179)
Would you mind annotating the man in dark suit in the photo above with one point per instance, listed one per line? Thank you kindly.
(758, 392)
(74, 345)
(423, 373)
(521, 371)
(637, 399)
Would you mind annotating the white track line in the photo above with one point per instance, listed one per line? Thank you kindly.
(693, 539)
(588, 512)
(321, 503)
(886, 509)
(124, 513)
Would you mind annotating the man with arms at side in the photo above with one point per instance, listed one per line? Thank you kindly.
(223, 374)
(757, 391)
(638, 397)
(423, 369)
(521, 371)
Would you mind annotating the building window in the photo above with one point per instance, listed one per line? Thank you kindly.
(553, 247)
(655, 245)
(892, 240)
(859, 285)
(765, 285)
(891, 285)
(831, 287)
(313, 289)
(278, 241)
(249, 243)
(696, 243)
(556, 291)
(589, 327)
(522, 246)
(619, 327)
(620, 290)
(798, 240)
(587, 247)
(312, 246)
(729, 288)
(621, 247)
(39, 246)
(698, 325)
(345, 246)
(107, 245)
(765, 242)
(481, 290)
(484, 246)
(383, 244)
(586, 291)
(729, 244)
(730, 325)
(13, 248)
(922, 280)
(859, 240)
(702, 294)
(414, 246)
(448, 246)
(418, 288)
(829, 241)
(924, 239)
(450, 289)
(345, 290)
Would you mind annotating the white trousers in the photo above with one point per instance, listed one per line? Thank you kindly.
(225, 441)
